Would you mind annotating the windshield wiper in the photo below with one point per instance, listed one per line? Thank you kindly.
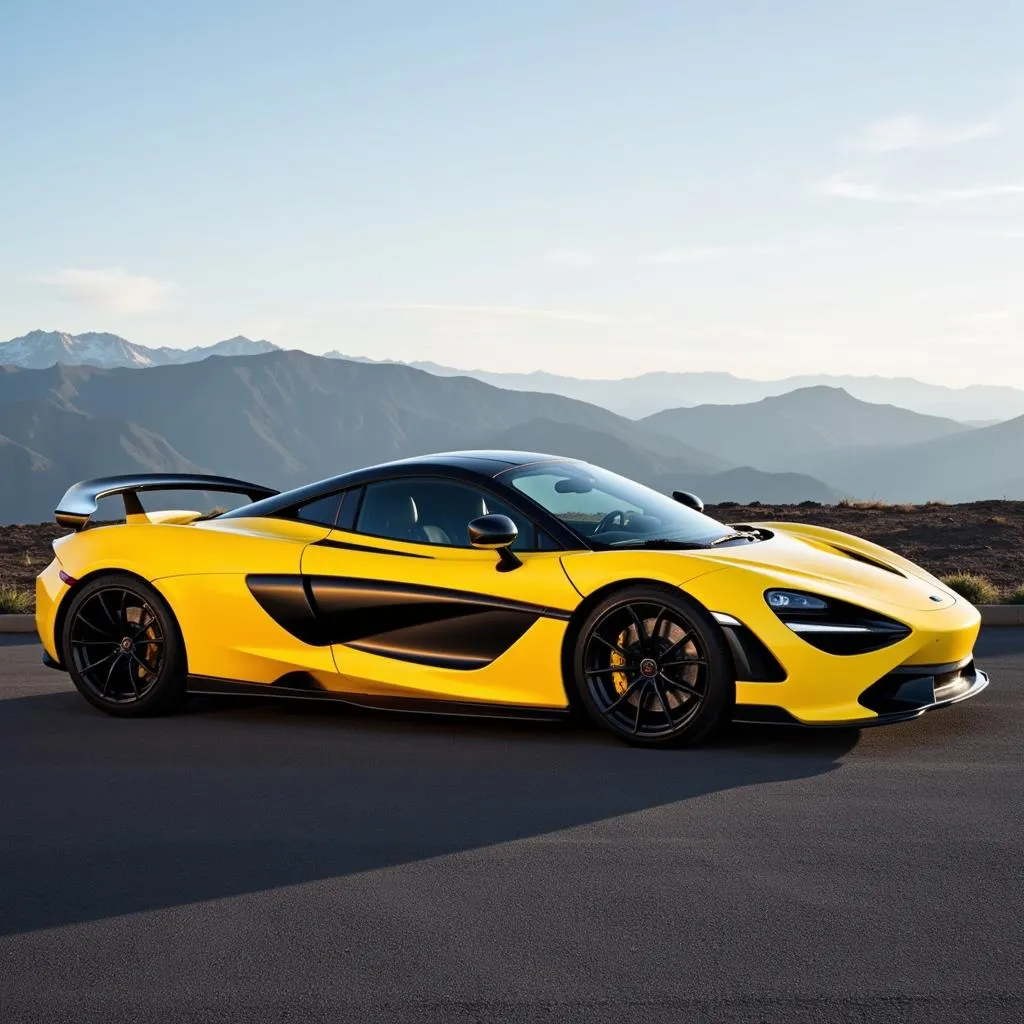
(738, 535)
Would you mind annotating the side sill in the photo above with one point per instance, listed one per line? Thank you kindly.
(211, 686)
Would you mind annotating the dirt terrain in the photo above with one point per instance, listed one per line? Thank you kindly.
(985, 537)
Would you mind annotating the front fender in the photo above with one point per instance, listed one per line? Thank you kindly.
(590, 571)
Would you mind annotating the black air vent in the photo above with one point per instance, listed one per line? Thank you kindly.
(858, 557)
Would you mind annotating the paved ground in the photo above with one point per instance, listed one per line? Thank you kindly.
(264, 863)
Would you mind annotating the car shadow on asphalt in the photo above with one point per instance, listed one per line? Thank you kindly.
(107, 817)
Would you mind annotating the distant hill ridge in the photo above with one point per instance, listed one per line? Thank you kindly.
(285, 418)
(777, 433)
(653, 392)
(636, 397)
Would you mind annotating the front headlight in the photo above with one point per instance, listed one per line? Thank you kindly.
(794, 601)
(833, 626)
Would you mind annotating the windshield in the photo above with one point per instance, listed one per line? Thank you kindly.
(608, 510)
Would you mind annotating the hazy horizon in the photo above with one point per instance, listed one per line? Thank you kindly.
(360, 356)
(595, 192)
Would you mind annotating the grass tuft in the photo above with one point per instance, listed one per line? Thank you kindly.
(1017, 596)
(14, 601)
(976, 589)
(873, 505)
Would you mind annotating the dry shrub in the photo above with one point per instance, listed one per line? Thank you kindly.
(973, 587)
(14, 601)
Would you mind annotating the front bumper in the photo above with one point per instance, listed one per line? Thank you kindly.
(815, 687)
(900, 696)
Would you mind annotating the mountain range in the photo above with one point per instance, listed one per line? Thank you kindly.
(286, 417)
(633, 397)
(637, 397)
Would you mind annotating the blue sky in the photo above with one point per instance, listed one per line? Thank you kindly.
(592, 188)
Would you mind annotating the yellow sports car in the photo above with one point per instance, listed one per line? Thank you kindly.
(496, 583)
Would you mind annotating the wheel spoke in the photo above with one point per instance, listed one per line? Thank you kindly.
(88, 622)
(628, 667)
(106, 610)
(110, 675)
(659, 619)
(614, 647)
(675, 647)
(664, 703)
(96, 664)
(132, 677)
(641, 633)
(145, 665)
(91, 643)
(142, 629)
(640, 706)
(684, 661)
(624, 695)
(681, 687)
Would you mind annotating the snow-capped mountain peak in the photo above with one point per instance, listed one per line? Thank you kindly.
(39, 349)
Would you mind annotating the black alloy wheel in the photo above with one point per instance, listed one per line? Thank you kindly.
(122, 648)
(652, 668)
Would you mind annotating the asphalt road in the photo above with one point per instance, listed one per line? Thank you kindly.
(252, 861)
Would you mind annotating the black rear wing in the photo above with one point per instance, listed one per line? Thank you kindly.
(80, 500)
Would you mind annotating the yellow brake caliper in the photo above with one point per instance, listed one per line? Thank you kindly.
(619, 679)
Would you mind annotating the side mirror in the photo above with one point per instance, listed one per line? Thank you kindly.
(689, 499)
(496, 533)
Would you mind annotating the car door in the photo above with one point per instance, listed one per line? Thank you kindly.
(413, 612)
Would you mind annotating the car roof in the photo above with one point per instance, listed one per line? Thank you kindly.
(484, 463)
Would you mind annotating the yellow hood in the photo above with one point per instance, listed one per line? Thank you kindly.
(839, 559)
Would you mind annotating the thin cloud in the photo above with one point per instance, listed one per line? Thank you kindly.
(111, 291)
(993, 320)
(708, 253)
(849, 186)
(503, 312)
(670, 257)
(574, 259)
(908, 131)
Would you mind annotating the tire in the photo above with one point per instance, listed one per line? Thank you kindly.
(123, 649)
(651, 667)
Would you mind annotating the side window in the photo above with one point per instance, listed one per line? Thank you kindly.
(432, 511)
(323, 511)
(336, 510)
(350, 502)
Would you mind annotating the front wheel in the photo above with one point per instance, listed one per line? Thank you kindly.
(123, 649)
(651, 667)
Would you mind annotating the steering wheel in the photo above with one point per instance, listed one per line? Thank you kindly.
(617, 515)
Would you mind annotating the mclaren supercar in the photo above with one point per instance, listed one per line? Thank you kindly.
(496, 583)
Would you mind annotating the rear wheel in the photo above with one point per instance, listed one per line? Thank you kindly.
(651, 667)
(123, 649)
